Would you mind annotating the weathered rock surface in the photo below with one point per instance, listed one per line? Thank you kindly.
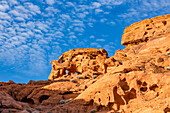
(134, 80)
(79, 61)
(147, 29)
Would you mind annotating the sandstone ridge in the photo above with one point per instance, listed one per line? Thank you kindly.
(134, 80)
(146, 29)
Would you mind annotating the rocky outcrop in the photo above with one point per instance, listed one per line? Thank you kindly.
(134, 80)
(141, 84)
(78, 61)
(147, 29)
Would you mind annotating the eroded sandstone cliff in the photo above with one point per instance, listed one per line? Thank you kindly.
(134, 80)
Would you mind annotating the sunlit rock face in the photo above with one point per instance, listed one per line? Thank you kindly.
(146, 30)
(134, 80)
(78, 61)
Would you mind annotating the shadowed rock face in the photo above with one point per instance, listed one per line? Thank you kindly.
(134, 80)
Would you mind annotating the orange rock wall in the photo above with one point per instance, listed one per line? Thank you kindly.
(146, 29)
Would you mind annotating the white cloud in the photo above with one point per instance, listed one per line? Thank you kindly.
(1, 27)
(90, 24)
(144, 8)
(50, 2)
(12, 2)
(52, 10)
(78, 23)
(98, 11)
(19, 19)
(112, 23)
(65, 44)
(81, 15)
(59, 33)
(111, 2)
(14, 12)
(95, 44)
(33, 8)
(100, 40)
(4, 6)
(91, 36)
(66, 17)
(4, 16)
(103, 20)
(79, 29)
(96, 4)
(70, 4)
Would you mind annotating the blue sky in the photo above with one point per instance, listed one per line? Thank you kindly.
(35, 32)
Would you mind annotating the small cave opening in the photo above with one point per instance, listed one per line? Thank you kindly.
(143, 89)
(91, 102)
(110, 105)
(153, 87)
(145, 33)
(144, 84)
(99, 100)
(164, 22)
(139, 82)
(149, 28)
(43, 97)
(124, 85)
(166, 110)
(27, 100)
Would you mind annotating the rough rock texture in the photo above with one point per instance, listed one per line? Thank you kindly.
(144, 30)
(79, 61)
(134, 80)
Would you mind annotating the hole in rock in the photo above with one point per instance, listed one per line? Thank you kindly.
(100, 107)
(139, 82)
(30, 101)
(147, 25)
(91, 102)
(110, 105)
(149, 28)
(146, 39)
(166, 110)
(124, 85)
(143, 89)
(164, 22)
(43, 97)
(66, 72)
(132, 94)
(153, 87)
(145, 33)
(108, 98)
(144, 84)
(99, 100)
(127, 70)
(67, 92)
(75, 73)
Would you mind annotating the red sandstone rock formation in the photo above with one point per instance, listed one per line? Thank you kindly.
(79, 61)
(134, 80)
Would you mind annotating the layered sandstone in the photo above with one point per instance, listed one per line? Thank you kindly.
(134, 80)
